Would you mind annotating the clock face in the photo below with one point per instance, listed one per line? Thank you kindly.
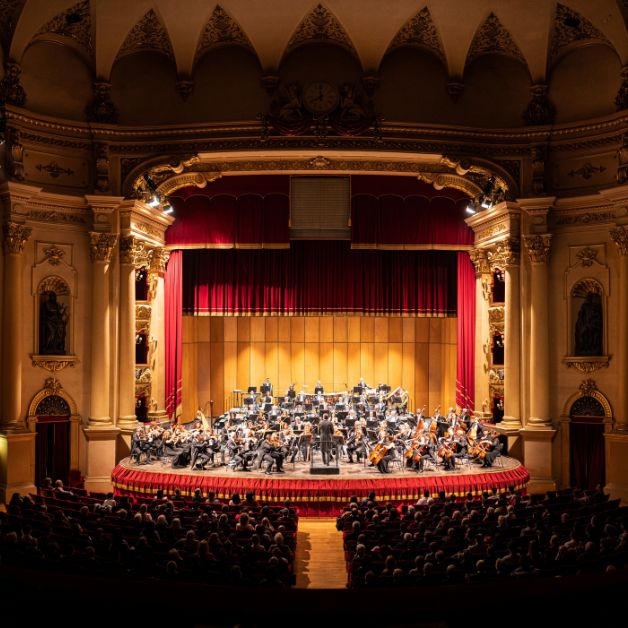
(320, 97)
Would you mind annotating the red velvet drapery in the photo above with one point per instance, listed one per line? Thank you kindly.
(403, 213)
(236, 212)
(172, 318)
(319, 277)
(465, 365)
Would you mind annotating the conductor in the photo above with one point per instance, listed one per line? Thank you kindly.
(326, 430)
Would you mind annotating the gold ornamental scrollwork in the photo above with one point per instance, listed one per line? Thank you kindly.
(479, 259)
(619, 235)
(53, 363)
(15, 237)
(504, 254)
(588, 364)
(134, 251)
(101, 246)
(538, 247)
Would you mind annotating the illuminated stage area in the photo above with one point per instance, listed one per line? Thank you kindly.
(319, 495)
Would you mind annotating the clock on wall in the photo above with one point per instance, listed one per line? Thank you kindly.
(321, 98)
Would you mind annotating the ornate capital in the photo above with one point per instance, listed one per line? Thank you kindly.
(159, 261)
(504, 254)
(479, 259)
(619, 235)
(15, 237)
(101, 246)
(538, 247)
(134, 251)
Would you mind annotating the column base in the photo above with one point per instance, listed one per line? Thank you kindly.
(100, 457)
(158, 415)
(539, 424)
(17, 463)
(510, 423)
(127, 423)
(617, 465)
(538, 457)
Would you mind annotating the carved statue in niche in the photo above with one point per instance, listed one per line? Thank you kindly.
(588, 332)
(53, 320)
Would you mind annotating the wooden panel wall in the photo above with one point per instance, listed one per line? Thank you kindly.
(221, 354)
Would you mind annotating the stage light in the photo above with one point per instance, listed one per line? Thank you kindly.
(154, 201)
(168, 209)
(470, 209)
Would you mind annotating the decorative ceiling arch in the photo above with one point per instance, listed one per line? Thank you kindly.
(571, 29)
(75, 24)
(493, 38)
(320, 25)
(221, 30)
(10, 11)
(420, 32)
(149, 34)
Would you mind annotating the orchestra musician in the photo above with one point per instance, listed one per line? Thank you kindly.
(326, 430)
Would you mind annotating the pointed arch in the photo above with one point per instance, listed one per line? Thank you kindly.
(420, 32)
(149, 34)
(320, 25)
(492, 37)
(221, 30)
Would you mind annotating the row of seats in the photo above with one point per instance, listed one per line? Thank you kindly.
(192, 539)
(443, 540)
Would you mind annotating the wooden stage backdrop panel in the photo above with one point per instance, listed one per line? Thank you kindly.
(221, 354)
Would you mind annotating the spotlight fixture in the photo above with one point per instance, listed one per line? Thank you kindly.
(154, 201)
(168, 209)
(470, 209)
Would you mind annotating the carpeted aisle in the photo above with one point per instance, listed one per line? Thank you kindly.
(319, 560)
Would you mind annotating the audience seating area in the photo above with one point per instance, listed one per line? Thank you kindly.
(475, 540)
(194, 539)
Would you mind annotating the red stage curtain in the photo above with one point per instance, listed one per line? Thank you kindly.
(402, 212)
(316, 277)
(465, 375)
(247, 212)
(172, 317)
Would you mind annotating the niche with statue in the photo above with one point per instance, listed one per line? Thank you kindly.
(587, 319)
(54, 311)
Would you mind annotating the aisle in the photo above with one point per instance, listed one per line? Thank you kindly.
(319, 561)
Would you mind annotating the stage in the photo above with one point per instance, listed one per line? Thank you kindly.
(318, 495)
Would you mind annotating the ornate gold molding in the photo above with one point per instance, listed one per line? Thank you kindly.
(479, 259)
(134, 251)
(538, 247)
(15, 237)
(159, 261)
(587, 364)
(458, 182)
(619, 235)
(587, 256)
(101, 246)
(199, 179)
(53, 363)
(504, 254)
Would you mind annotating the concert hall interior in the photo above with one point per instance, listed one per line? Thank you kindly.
(366, 262)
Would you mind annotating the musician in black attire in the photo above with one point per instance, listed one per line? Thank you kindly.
(326, 431)
(389, 444)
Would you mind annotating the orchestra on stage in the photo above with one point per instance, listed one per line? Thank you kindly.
(364, 425)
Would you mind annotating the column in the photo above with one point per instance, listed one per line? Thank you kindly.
(129, 247)
(505, 255)
(158, 334)
(17, 444)
(101, 247)
(620, 237)
(15, 237)
(538, 248)
(479, 258)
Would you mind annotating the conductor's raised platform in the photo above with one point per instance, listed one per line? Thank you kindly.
(319, 495)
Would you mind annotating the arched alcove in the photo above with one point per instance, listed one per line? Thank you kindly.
(587, 318)
(587, 417)
(54, 312)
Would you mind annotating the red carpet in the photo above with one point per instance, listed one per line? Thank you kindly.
(323, 497)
